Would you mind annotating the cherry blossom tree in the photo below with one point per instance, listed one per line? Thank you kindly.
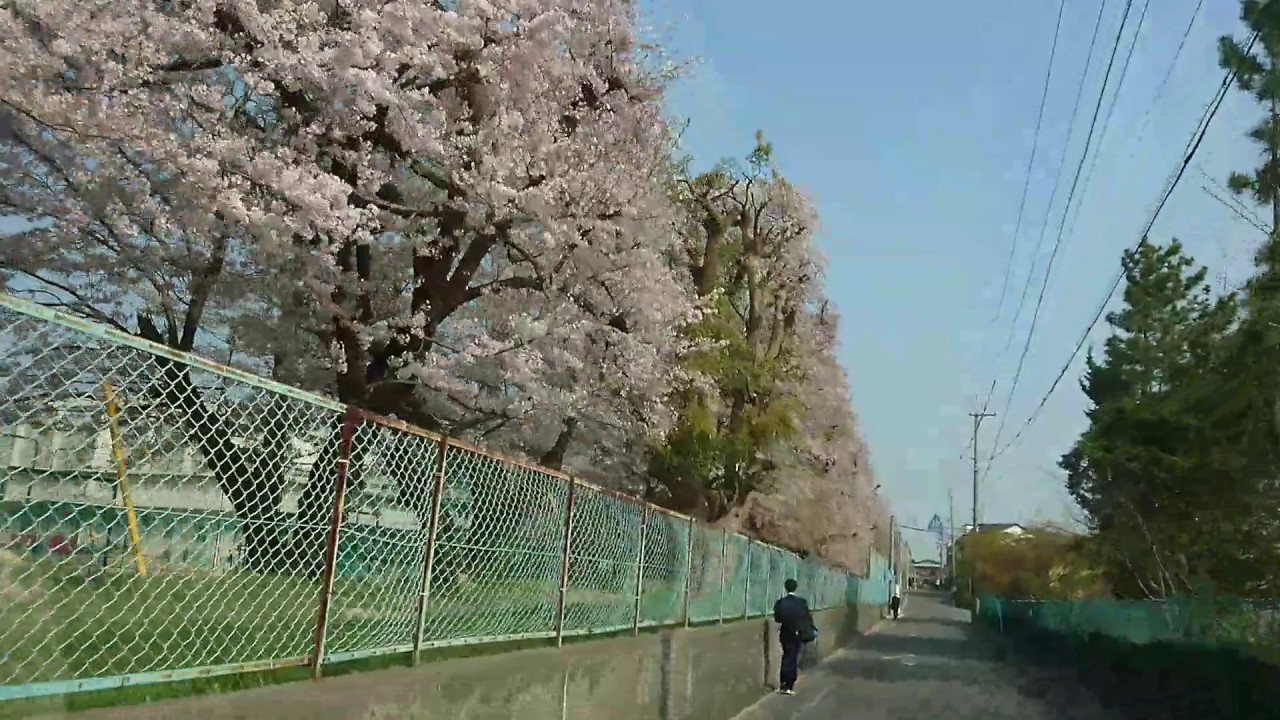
(463, 213)
(459, 205)
(831, 486)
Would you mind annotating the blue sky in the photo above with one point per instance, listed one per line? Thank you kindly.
(911, 124)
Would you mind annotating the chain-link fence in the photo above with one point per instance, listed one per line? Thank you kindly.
(163, 517)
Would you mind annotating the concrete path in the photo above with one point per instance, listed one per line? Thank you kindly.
(930, 665)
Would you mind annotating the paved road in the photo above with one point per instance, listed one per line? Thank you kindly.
(930, 665)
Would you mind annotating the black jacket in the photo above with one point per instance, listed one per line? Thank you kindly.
(792, 613)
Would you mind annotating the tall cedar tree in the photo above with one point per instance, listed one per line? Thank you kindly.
(1140, 470)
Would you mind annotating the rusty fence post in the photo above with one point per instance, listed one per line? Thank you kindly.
(565, 559)
(429, 556)
(644, 531)
(688, 571)
(724, 567)
(746, 590)
(341, 469)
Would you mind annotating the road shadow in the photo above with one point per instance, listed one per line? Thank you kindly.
(1158, 681)
(974, 660)
(907, 622)
(922, 670)
(953, 648)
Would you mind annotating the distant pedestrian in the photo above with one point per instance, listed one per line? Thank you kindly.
(895, 600)
(795, 628)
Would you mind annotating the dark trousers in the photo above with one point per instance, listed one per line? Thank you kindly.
(790, 663)
(894, 604)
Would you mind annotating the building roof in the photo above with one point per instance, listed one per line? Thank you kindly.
(927, 563)
(1014, 528)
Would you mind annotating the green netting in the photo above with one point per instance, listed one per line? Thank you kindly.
(737, 572)
(777, 575)
(666, 562)
(1212, 620)
(602, 570)
(760, 596)
(875, 588)
(706, 586)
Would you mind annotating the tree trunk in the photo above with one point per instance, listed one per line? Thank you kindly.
(315, 505)
(252, 479)
(554, 457)
(1274, 151)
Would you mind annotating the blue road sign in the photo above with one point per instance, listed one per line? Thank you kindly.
(935, 525)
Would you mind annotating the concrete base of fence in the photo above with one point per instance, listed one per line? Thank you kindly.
(1157, 680)
(707, 673)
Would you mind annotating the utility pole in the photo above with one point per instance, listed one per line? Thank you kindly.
(978, 417)
(977, 420)
(951, 508)
(892, 544)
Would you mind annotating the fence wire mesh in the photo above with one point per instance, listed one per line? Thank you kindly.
(761, 595)
(603, 551)
(164, 517)
(707, 585)
(382, 544)
(153, 513)
(497, 571)
(666, 565)
(737, 572)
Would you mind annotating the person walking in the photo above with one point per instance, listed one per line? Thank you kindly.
(895, 601)
(795, 628)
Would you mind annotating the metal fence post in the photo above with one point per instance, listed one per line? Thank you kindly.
(122, 479)
(429, 557)
(341, 467)
(644, 531)
(564, 560)
(688, 572)
(746, 590)
(724, 561)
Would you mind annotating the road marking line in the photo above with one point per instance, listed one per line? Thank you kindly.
(816, 699)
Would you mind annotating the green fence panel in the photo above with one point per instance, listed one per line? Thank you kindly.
(666, 564)
(737, 574)
(603, 550)
(760, 565)
(708, 588)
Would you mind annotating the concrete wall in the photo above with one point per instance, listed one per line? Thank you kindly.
(708, 673)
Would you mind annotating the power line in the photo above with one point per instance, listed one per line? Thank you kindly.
(1155, 100)
(1026, 187)
(1235, 210)
(1071, 130)
(1057, 182)
(1106, 121)
(1193, 146)
(1035, 146)
(1057, 245)
(1148, 113)
(1164, 82)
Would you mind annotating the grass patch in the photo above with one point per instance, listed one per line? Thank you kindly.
(61, 620)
